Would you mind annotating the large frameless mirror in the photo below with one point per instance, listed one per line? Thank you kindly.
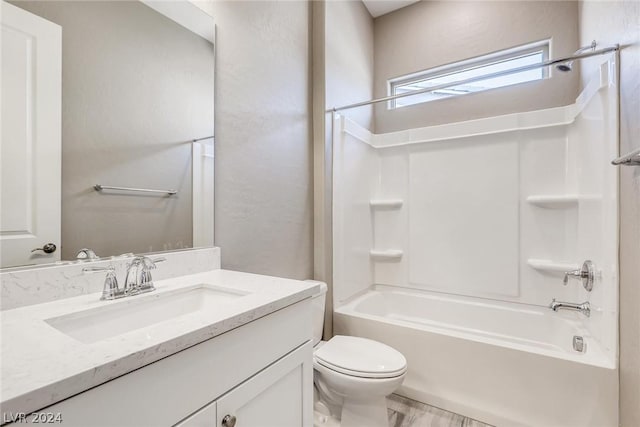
(107, 129)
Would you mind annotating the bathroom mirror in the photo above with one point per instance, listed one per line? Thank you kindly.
(101, 104)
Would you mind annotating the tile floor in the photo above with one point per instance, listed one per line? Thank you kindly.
(405, 412)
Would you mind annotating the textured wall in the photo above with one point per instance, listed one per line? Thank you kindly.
(349, 58)
(136, 87)
(611, 22)
(433, 33)
(263, 171)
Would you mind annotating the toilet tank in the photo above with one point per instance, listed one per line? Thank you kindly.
(317, 304)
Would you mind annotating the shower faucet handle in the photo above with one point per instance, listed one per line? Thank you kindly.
(587, 274)
(573, 273)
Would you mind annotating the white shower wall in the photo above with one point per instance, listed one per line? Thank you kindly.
(356, 168)
(494, 208)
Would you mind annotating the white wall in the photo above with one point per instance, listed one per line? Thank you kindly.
(432, 33)
(263, 170)
(612, 22)
(349, 58)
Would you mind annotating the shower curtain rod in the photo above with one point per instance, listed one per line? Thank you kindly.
(479, 78)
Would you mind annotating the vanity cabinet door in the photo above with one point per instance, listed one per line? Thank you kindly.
(205, 417)
(279, 396)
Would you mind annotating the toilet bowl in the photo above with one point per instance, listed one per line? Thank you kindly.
(353, 375)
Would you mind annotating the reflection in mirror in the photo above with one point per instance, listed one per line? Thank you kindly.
(109, 93)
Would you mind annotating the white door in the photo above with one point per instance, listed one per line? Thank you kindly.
(279, 396)
(30, 156)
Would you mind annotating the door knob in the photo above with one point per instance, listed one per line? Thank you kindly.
(229, 421)
(49, 248)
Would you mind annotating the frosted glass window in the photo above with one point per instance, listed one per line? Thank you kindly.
(485, 65)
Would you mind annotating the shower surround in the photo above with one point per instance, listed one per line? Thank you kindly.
(451, 241)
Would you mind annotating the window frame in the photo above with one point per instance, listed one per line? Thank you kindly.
(470, 64)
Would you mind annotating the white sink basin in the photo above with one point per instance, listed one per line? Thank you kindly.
(132, 313)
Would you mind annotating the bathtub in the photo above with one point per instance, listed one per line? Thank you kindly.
(490, 360)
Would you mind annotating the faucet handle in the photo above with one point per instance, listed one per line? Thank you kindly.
(151, 263)
(572, 273)
(109, 270)
(110, 289)
(139, 275)
(146, 281)
(587, 274)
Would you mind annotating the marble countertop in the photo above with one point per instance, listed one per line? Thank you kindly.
(41, 365)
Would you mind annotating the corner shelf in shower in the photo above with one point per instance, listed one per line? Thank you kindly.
(551, 266)
(554, 201)
(387, 254)
(386, 203)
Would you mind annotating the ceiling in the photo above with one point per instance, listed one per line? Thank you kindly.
(381, 7)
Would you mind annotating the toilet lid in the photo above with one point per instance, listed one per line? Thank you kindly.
(361, 357)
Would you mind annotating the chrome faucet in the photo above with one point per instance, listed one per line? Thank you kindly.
(138, 279)
(584, 308)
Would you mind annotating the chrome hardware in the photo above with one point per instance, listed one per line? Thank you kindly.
(229, 421)
(110, 289)
(586, 274)
(100, 187)
(86, 254)
(567, 66)
(138, 279)
(584, 308)
(631, 159)
(579, 344)
(202, 139)
(475, 79)
(49, 248)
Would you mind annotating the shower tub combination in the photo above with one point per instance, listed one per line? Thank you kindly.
(490, 360)
(450, 242)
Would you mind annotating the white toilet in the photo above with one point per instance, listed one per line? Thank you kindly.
(353, 376)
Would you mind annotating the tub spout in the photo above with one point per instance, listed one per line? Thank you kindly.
(584, 308)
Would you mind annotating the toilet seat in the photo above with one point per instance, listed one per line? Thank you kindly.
(361, 357)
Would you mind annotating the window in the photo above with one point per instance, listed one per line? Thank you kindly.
(534, 53)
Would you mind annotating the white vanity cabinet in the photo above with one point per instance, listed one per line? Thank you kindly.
(273, 397)
(261, 373)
